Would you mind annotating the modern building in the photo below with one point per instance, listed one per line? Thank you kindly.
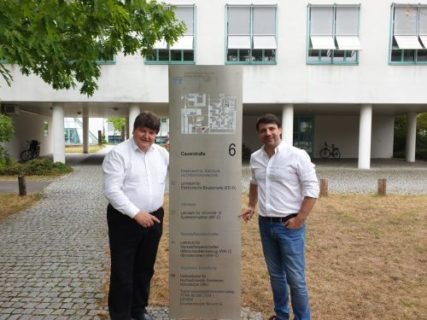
(73, 130)
(335, 71)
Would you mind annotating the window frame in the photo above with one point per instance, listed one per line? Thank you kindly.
(328, 58)
(249, 52)
(157, 52)
(106, 62)
(405, 52)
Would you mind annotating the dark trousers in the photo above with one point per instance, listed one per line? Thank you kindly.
(133, 254)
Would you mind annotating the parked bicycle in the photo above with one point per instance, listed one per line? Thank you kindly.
(330, 152)
(32, 152)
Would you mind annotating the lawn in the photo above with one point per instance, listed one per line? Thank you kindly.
(79, 149)
(366, 258)
(11, 203)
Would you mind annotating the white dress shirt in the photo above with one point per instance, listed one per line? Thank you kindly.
(283, 180)
(135, 180)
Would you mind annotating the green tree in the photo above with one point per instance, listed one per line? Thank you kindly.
(118, 123)
(6, 134)
(422, 124)
(400, 132)
(62, 40)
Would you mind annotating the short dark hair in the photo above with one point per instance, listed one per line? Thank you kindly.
(268, 118)
(148, 120)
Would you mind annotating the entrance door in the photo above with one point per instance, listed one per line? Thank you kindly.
(304, 133)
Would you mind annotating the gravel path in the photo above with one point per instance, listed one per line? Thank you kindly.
(400, 180)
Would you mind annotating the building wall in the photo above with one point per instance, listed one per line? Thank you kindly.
(250, 136)
(343, 131)
(29, 126)
(382, 136)
(291, 80)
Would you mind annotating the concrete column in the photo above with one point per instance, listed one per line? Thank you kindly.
(58, 133)
(134, 111)
(85, 119)
(127, 128)
(411, 136)
(365, 134)
(288, 123)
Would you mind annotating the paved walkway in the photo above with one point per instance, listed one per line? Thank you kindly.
(53, 257)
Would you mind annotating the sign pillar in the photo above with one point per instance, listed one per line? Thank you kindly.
(205, 191)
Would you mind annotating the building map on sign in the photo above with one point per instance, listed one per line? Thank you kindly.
(204, 114)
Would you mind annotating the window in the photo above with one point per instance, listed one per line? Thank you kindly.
(109, 60)
(251, 35)
(182, 51)
(333, 34)
(71, 136)
(409, 34)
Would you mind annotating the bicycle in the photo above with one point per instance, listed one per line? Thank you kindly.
(330, 152)
(32, 152)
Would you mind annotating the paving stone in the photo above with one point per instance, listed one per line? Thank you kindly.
(52, 254)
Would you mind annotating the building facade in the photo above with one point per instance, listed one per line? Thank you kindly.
(335, 72)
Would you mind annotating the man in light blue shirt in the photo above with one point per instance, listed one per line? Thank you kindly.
(285, 185)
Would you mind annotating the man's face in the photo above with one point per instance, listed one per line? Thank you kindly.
(144, 137)
(269, 134)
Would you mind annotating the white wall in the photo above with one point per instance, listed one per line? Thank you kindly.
(291, 80)
(343, 131)
(29, 126)
(250, 136)
(382, 136)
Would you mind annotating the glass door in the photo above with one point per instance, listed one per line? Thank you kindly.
(304, 133)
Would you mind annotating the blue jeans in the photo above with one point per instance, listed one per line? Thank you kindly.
(284, 254)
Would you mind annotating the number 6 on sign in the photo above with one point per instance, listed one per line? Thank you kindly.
(232, 149)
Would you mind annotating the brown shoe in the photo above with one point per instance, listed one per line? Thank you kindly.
(272, 318)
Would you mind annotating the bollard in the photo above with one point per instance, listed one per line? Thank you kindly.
(22, 185)
(323, 187)
(382, 187)
(99, 137)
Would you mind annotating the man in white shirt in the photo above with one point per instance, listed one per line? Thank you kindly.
(284, 183)
(134, 184)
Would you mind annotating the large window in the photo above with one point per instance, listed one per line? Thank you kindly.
(251, 35)
(333, 34)
(182, 51)
(409, 34)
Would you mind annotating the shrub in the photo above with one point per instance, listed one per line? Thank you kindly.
(12, 169)
(4, 157)
(40, 167)
(7, 131)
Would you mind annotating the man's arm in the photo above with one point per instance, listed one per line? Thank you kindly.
(306, 207)
(249, 211)
(310, 191)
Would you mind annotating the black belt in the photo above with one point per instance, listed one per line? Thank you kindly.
(157, 212)
(278, 219)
